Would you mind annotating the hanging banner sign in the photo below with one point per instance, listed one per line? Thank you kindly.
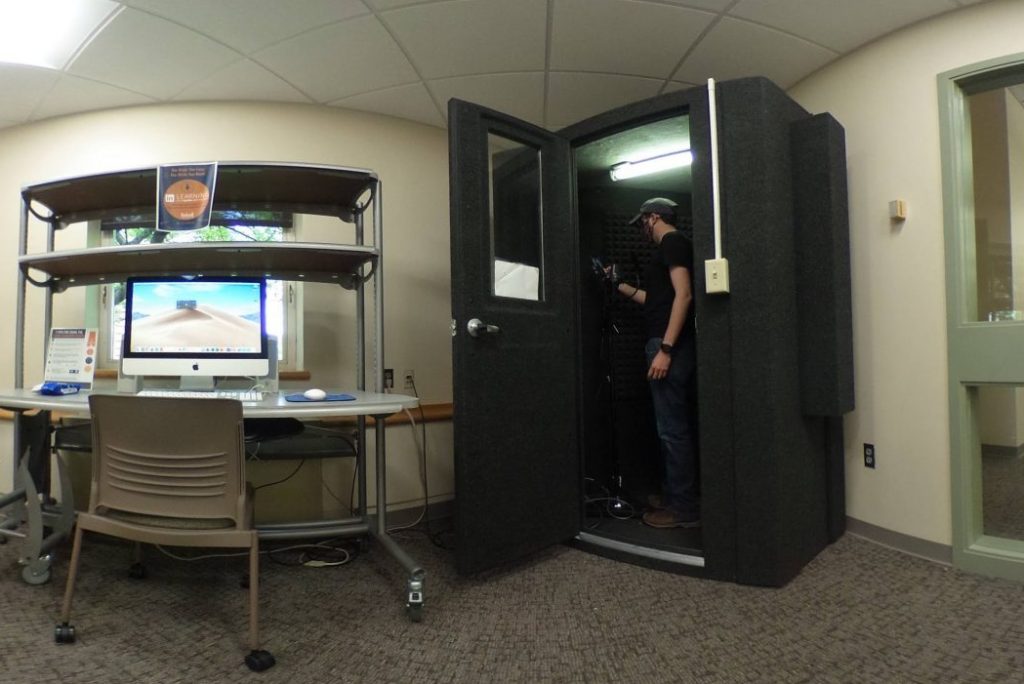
(184, 196)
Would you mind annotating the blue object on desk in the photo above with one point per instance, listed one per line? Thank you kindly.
(330, 397)
(58, 389)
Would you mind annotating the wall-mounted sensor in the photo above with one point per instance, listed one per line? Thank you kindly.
(898, 210)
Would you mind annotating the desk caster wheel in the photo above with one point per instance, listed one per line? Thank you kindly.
(36, 573)
(137, 571)
(258, 661)
(414, 601)
(64, 633)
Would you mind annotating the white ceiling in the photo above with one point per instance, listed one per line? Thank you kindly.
(551, 62)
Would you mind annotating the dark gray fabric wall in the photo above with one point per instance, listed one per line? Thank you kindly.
(753, 417)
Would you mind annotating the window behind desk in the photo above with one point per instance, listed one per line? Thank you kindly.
(283, 309)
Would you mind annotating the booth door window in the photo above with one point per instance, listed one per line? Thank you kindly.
(516, 229)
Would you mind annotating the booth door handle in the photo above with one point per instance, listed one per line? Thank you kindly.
(476, 328)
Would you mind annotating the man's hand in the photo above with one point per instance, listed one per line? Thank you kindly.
(659, 366)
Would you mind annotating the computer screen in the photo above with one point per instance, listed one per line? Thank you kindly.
(195, 326)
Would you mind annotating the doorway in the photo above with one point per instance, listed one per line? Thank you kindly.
(621, 452)
(982, 116)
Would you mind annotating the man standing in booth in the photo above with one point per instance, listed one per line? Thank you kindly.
(671, 360)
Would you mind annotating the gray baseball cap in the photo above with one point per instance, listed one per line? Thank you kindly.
(655, 205)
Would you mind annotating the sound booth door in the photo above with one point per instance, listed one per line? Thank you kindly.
(514, 337)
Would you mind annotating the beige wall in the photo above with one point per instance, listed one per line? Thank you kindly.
(410, 159)
(885, 96)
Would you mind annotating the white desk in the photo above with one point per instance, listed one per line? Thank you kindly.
(274, 405)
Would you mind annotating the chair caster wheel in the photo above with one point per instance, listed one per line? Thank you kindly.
(258, 661)
(36, 573)
(137, 571)
(64, 633)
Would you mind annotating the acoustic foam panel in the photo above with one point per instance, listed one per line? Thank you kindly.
(825, 320)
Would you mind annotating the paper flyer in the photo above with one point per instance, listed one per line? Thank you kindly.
(71, 356)
(184, 196)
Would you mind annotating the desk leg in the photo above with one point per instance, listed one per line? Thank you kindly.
(414, 595)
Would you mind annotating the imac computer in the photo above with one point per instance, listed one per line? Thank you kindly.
(195, 327)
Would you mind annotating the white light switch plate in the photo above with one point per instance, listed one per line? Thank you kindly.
(716, 276)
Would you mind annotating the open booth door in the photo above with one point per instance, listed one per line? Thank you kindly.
(515, 361)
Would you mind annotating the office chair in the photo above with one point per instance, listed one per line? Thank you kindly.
(169, 471)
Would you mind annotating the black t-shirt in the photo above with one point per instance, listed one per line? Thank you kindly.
(675, 249)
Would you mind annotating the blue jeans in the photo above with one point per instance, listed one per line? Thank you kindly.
(675, 414)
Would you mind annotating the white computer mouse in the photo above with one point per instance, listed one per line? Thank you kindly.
(315, 394)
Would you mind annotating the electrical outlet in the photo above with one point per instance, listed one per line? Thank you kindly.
(389, 378)
(410, 379)
(869, 455)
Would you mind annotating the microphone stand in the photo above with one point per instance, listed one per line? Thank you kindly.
(615, 505)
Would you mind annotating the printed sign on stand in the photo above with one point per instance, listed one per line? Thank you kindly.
(71, 356)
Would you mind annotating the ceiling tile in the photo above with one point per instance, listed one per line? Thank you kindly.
(23, 88)
(676, 86)
(781, 57)
(408, 102)
(149, 55)
(243, 80)
(392, 4)
(519, 95)
(471, 36)
(573, 97)
(711, 5)
(72, 94)
(849, 24)
(339, 60)
(249, 25)
(623, 37)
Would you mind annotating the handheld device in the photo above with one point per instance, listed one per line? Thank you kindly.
(611, 275)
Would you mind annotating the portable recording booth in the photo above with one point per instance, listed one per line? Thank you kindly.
(564, 365)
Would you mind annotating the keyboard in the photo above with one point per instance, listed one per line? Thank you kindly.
(240, 395)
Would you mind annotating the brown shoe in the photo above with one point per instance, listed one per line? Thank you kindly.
(665, 519)
(656, 502)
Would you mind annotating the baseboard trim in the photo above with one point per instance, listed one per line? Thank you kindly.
(922, 548)
(996, 451)
(408, 514)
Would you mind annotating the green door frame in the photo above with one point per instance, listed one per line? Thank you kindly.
(980, 353)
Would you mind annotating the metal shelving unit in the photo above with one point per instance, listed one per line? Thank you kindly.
(344, 193)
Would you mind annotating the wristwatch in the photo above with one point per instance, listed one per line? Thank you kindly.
(667, 348)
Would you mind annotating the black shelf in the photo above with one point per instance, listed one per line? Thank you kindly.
(298, 261)
(250, 186)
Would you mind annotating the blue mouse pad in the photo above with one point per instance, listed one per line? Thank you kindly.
(329, 397)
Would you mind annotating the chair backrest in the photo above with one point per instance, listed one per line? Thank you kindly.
(169, 457)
